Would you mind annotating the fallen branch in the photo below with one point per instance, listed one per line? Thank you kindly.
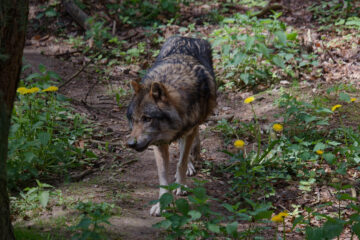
(74, 75)
(79, 176)
(268, 8)
(76, 13)
(329, 53)
(62, 54)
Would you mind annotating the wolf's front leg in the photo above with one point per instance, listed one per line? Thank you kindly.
(182, 166)
(194, 154)
(162, 162)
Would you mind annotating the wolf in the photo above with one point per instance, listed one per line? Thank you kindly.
(175, 96)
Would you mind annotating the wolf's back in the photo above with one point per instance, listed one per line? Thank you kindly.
(197, 48)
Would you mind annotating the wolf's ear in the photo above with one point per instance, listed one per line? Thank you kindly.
(158, 91)
(136, 86)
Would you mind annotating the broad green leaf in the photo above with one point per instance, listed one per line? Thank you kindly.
(33, 75)
(231, 228)
(319, 146)
(54, 75)
(42, 68)
(357, 159)
(245, 78)
(44, 138)
(278, 61)
(313, 233)
(194, 214)
(264, 50)
(298, 220)
(344, 97)
(249, 43)
(213, 228)
(226, 49)
(282, 37)
(182, 205)
(239, 58)
(291, 36)
(84, 223)
(44, 198)
(356, 229)
(345, 196)
(29, 156)
(200, 193)
(163, 224)
(310, 118)
(51, 13)
(263, 215)
(333, 229)
(329, 157)
(165, 200)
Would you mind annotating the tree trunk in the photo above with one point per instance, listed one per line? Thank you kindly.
(13, 20)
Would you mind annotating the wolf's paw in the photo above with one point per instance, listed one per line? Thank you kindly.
(155, 210)
(180, 192)
(190, 169)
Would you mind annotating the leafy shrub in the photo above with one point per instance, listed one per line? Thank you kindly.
(192, 217)
(43, 133)
(90, 226)
(311, 135)
(137, 12)
(334, 13)
(257, 51)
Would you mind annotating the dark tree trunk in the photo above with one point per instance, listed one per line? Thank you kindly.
(13, 19)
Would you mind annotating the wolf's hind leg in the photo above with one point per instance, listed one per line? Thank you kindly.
(194, 154)
(182, 166)
(162, 162)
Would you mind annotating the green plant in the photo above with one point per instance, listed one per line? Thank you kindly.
(93, 218)
(192, 217)
(33, 234)
(257, 51)
(49, 10)
(33, 198)
(136, 12)
(43, 133)
(335, 13)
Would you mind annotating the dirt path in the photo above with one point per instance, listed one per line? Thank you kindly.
(129, 186)
(129, 179)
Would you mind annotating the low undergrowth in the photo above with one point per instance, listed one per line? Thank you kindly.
(302, 150)
(44, 135)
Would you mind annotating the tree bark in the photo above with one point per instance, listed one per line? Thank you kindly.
(13, 20)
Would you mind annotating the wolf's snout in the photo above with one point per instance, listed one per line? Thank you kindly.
(131, 142)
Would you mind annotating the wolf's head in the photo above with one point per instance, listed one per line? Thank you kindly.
(152, 116)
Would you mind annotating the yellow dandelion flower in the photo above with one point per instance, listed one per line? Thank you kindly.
(239, 143)
(51, 89)
(34, 90)
(278, 127)
(22, 90)
(280, 217)
(336, 107)
(249, 100)
(283, 214)
(353, 99)
(320, 152)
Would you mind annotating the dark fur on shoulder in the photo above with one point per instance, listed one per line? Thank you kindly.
(176, 95)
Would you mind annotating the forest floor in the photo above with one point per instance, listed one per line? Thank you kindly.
(129, 179)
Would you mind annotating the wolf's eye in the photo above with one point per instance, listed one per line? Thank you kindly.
(146, 119)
